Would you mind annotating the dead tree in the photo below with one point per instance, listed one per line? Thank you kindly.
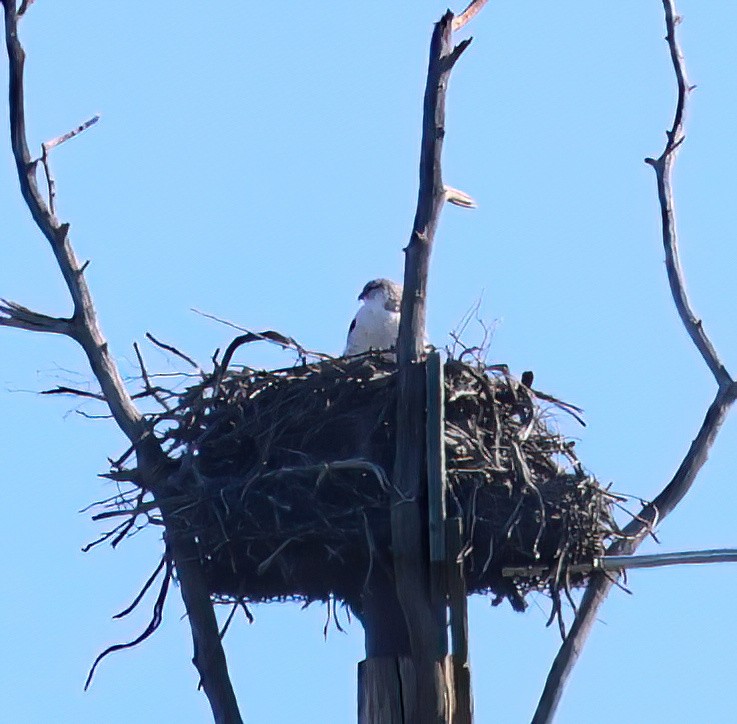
(653, 513)
(84, 328)
(408, 675)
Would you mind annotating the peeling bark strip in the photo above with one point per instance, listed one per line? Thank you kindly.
(697, 454)
(84, 328)
(425, 621)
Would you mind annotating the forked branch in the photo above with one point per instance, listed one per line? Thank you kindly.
(663, 167)
(696, 456)
(83, 326)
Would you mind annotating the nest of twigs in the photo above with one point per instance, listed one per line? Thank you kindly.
(285, 478)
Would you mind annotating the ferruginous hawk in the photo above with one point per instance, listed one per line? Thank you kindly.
(376, 324)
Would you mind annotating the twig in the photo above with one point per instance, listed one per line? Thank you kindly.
(153, 624)
(139, 508)
(696, 456)
(149, 582)
(229, 620)
(267, 336)
(324, 469)
(24, 6)
(123, 527)
(572, 410)
(63, 390)
(173, 350)
(50, 180)
(54, 142)
(149, 390)
(48, 146)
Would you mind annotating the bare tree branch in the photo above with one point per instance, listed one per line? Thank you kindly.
(47, 146)
(663, 166)
(16, 315)
(173, 350)
(83, 326)
(697, 454)
(431, 194)
(149, 390)
(152, 463)
(637, 530)
(75, 391)
(474, 7)
(54, 142)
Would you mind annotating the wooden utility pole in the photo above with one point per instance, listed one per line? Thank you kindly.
(423, 685)
(388, 682)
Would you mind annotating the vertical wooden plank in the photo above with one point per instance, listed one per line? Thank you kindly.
(387, 689)
(435, 461)
(379, 691)
(457, 664)
(435, 442)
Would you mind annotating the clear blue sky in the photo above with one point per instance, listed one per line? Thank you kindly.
(260, 163)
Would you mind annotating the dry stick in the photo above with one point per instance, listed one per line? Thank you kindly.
(84, 328)
(474, 7)
(64, 390)
(16, 315)
(53, 143)
(173, 350)
(697, 454)
(424, 623)
(267, 336)
(149, 389)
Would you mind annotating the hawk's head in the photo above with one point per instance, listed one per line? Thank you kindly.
(383, 291)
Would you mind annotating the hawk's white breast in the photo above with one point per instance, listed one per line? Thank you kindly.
(376, 325)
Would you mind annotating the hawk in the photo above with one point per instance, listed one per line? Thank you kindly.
(376, 324)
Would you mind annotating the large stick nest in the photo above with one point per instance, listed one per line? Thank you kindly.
(285, 477)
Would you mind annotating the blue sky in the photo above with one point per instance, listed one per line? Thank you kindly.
(261, 165)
